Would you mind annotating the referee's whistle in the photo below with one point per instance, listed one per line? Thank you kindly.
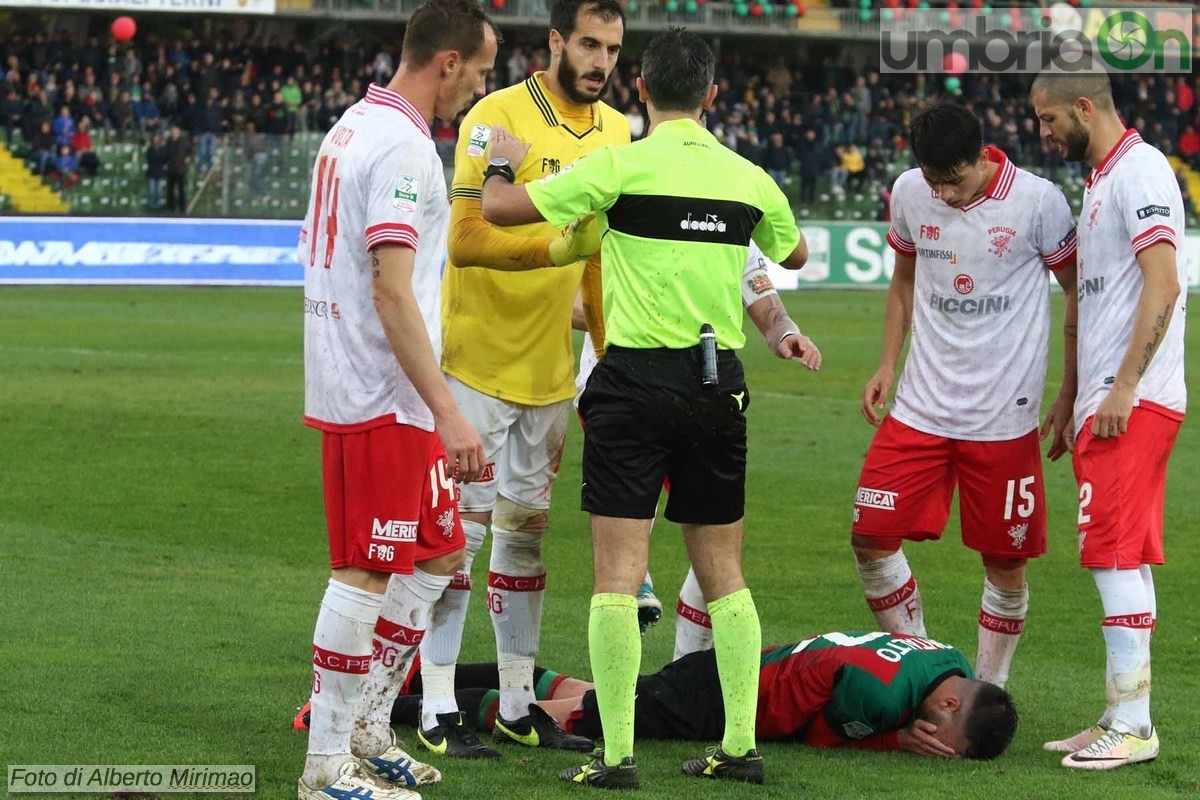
(708, 350)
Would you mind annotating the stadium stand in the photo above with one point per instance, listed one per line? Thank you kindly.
(831, 129)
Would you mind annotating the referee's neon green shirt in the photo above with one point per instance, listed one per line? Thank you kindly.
(679, 209)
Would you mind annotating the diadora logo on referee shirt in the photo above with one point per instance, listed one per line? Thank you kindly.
(876, 498)
(710, 222)
(394, 529)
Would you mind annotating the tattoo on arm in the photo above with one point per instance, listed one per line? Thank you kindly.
(374, 263)
(778, 313)
(1160, 325)
(1071, 330)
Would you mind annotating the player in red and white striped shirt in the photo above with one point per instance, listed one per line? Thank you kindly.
(373, 245)
(975, 240)
(1132, 395)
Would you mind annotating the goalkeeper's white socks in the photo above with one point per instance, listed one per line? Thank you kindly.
(516, 587)
(693, 627)
(1001, 620)
(443, 639)
(341, 659)
(398, 633)
(893, 595)
(1128, 621)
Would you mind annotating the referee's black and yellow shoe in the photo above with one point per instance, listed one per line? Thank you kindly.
(716, 763)
(596, 773)
(538, 729)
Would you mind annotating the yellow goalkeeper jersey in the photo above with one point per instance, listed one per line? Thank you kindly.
(508, 334)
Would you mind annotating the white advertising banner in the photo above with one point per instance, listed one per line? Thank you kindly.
(183, 6)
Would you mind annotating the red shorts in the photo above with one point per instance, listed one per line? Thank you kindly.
(389, 501)
(1122, 485)
(908, 481)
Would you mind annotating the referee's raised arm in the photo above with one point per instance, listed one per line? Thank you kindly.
(678, 211)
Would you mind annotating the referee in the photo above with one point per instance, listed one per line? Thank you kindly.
(679, 210)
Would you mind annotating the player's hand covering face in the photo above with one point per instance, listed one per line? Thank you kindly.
(921, 738)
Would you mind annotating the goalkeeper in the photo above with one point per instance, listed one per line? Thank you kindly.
(508, 358)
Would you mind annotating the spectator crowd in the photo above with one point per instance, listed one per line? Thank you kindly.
(811, 115)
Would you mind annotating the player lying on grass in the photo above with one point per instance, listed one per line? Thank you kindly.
(875, 691)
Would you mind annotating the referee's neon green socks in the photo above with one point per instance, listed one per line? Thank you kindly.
(616, 654)
(737, 638)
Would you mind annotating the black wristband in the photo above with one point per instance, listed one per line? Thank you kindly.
(503, 170)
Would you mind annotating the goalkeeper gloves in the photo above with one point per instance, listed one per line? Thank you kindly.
(579, 240)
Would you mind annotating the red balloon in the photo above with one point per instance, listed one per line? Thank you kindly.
(123, 28)
(498, 4)
(976, 4)
(954, 64)
(800, 9)
(756, 10)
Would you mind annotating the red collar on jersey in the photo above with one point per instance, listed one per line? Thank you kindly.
(1123, 146)
(382, 96)
(1002, 181)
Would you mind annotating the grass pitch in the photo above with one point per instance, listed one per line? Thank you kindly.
(163, 555)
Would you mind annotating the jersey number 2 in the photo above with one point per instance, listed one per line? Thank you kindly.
(1085, 500)
(328, 187)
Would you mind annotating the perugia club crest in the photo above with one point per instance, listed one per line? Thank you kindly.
(1001, 240)
(964, 284)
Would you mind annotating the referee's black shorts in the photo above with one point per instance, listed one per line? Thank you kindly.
(681, 701)
(647, 416)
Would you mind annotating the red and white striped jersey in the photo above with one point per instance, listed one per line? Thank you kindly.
(377, 181)
(1132, 201)
(976, 365)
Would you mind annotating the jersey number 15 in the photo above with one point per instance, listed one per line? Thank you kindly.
(1025, 509)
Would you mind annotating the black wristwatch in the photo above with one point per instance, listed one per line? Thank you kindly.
(500, 166)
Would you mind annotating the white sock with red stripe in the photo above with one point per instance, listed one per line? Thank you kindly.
(1127, 623)
(693, 627)
(1148, 581)
(516, 586)
(1001, 620)
(443, 639)
(398, 633)
(893, 595)
(341, 659)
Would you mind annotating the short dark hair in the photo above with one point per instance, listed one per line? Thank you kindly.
(678, 68)
(945, 136)
(1065, 89)
(991, 722)
(440, 25)
(565, 13)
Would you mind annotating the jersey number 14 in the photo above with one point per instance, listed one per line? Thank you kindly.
(328, 187)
